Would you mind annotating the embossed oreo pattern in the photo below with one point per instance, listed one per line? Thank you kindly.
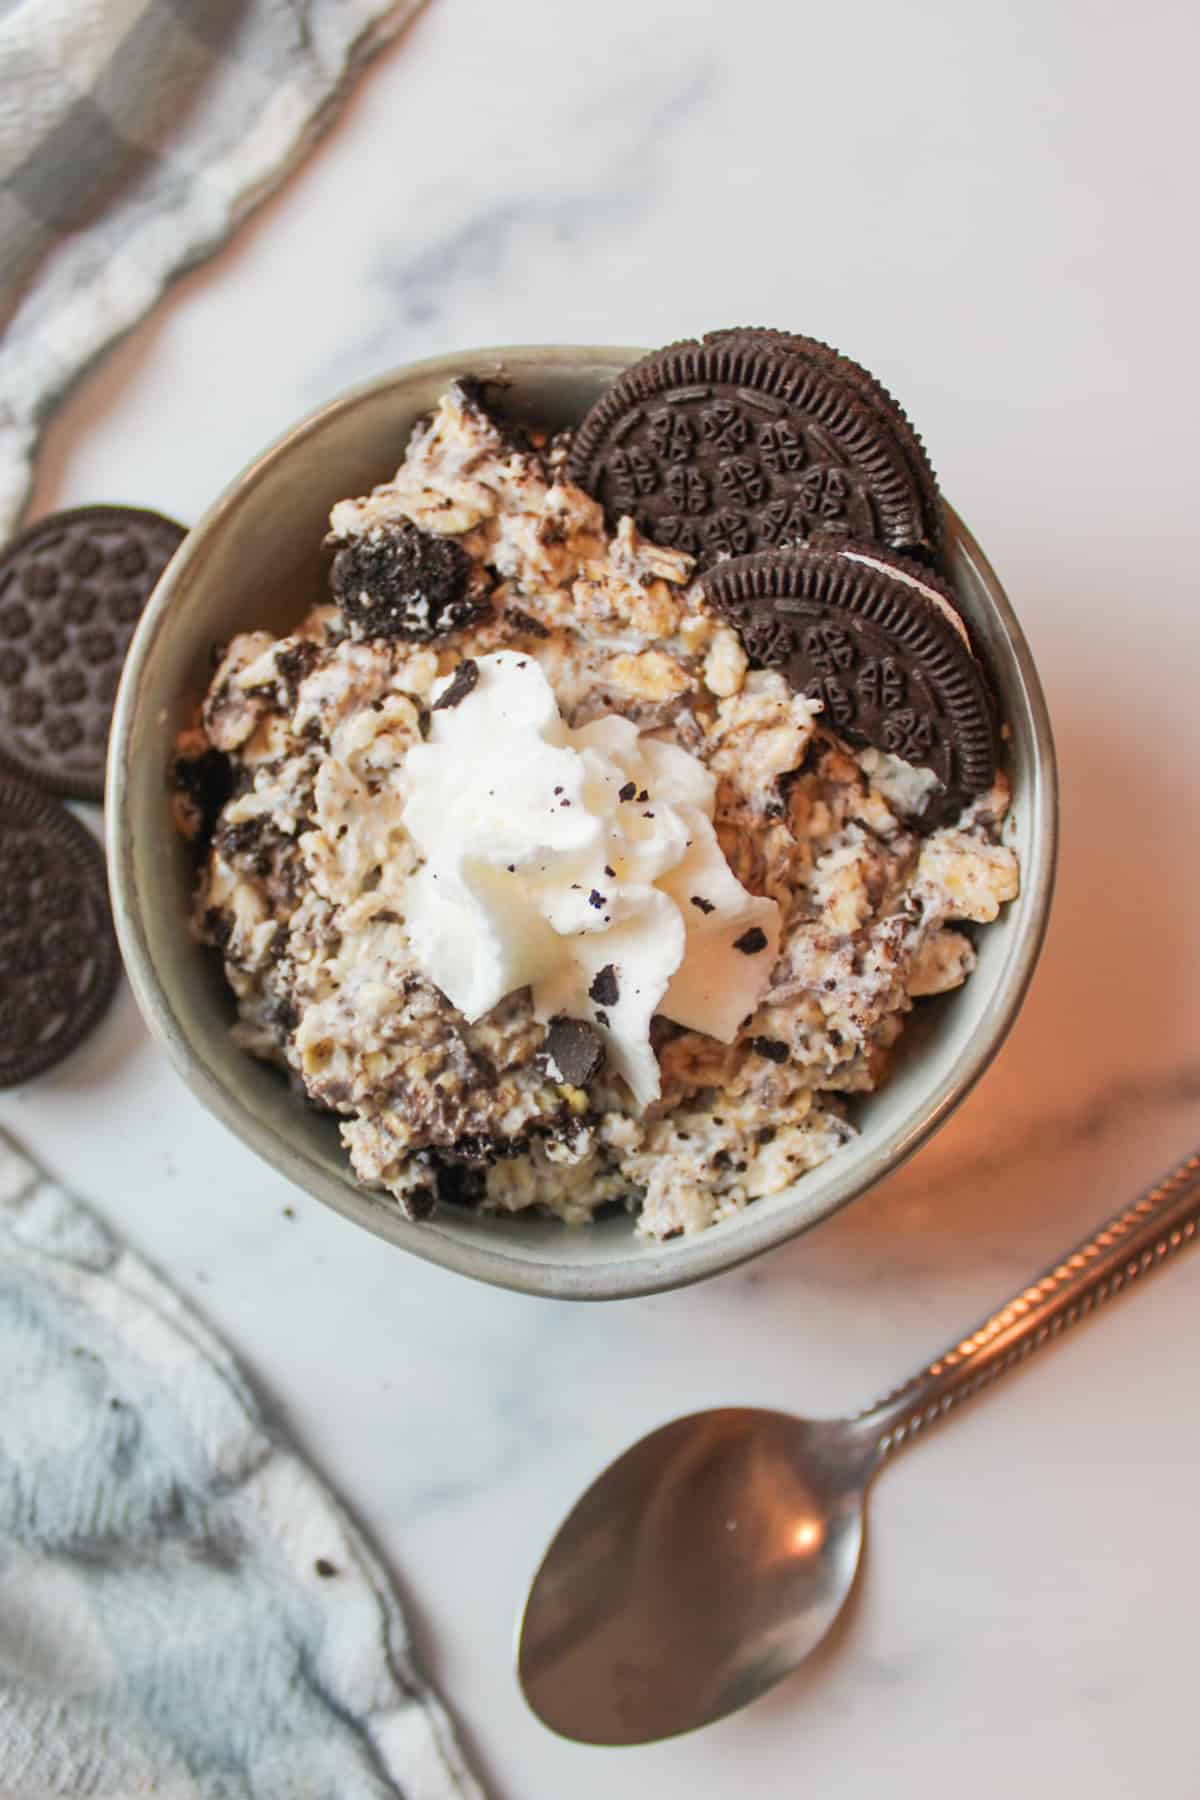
(887, 667)
(58, 956)
(743, 442)
(879, 401)
(72, 589)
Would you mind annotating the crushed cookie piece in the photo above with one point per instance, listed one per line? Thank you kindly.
(397, 581)
(605, 990)
(576, 1049)
(465, 679)
(525, 622)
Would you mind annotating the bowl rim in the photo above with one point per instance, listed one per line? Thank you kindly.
(663, 1266)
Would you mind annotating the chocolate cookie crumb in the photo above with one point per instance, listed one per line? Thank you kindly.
(605, 990)
(294, 663)
(772, 1048)
(461, 1184)
(752, 941)
(325, 1568)
(576, 1049)
(400, 582)
(703, 905)
(466, 678)
(206, 782)
(629, 791)
(525, 622)
(420, 1203)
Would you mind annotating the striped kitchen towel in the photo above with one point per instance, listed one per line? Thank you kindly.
(134, 134)
(184, 1610)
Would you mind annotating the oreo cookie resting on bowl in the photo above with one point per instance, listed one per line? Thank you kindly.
(252, 544)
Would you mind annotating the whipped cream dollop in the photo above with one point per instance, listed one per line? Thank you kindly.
(582, 864)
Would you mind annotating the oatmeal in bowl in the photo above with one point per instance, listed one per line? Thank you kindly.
(553, 881)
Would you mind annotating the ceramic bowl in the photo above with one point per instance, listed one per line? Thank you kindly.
(254, 559)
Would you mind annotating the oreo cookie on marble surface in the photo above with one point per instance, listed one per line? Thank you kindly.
(878, 641)
(58, 955)
(72, 589)
(750, 440)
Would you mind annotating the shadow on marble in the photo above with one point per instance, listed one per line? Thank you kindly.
(423, 1636)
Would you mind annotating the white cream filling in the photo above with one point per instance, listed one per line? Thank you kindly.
(931, 594)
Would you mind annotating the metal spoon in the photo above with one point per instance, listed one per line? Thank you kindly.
(713, 1557)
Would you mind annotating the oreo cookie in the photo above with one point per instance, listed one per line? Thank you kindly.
(58, 956)
(878, 641)
(754, 440)
(72, 589)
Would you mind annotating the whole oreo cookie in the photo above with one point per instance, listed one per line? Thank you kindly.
(878, 641)
(753, 440)
(58, 956)
(72, 589)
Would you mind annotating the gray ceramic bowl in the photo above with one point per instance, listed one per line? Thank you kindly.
(254, 560)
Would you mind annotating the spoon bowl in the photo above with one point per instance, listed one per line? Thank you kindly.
(700, 1568)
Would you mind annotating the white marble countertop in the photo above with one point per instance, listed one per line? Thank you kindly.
(989, 207)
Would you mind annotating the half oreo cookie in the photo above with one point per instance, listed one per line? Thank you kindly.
(58, 956)
(72, 589)
(752, 440)
(878, 641)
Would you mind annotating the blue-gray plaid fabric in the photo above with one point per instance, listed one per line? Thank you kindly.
(134, 134)
(184, 1610)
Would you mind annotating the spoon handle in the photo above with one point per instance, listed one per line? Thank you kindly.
(1147, 1234)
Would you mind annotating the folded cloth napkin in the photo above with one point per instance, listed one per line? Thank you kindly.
(134, 134)
(184, 1610)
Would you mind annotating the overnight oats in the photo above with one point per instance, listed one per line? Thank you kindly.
(538, 855)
